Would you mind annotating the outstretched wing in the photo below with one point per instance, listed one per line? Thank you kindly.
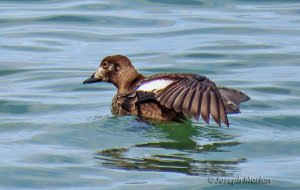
(192, 95)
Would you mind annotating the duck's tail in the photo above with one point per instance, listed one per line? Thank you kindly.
(232, 99)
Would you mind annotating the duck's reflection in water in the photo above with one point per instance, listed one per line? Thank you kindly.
(180, 150)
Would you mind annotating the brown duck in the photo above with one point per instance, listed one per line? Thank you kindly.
(166, 97)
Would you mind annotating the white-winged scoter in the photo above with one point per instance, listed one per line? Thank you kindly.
(166, 97)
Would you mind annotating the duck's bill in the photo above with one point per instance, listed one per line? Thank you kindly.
(92, 79)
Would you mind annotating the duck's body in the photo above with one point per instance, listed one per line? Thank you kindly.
(166, 97)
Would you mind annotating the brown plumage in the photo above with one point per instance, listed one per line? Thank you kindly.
(166, 97)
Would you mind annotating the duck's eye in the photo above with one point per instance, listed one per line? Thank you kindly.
(105, 64)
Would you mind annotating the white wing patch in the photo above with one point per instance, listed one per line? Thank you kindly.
(155, 85)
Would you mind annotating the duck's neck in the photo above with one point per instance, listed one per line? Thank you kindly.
(129, 84)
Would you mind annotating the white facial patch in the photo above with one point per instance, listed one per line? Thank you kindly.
(155, 85)
(111, 67)
(99, 72)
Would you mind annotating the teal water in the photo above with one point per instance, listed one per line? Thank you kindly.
(56, 133)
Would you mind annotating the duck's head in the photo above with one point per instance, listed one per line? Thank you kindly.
(115, 69)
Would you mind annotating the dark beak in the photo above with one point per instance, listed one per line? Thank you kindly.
(92, 79)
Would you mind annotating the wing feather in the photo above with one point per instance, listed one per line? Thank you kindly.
(214, 107)
(190, 82)
(186, 82)
(169, 93)
(194, 84)
(180, 100)
(196, 105)
(191, 95)
(223, 114)
(205, 107)
(128, 102)
(188, 102)
(172, 98)
(166, 92)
